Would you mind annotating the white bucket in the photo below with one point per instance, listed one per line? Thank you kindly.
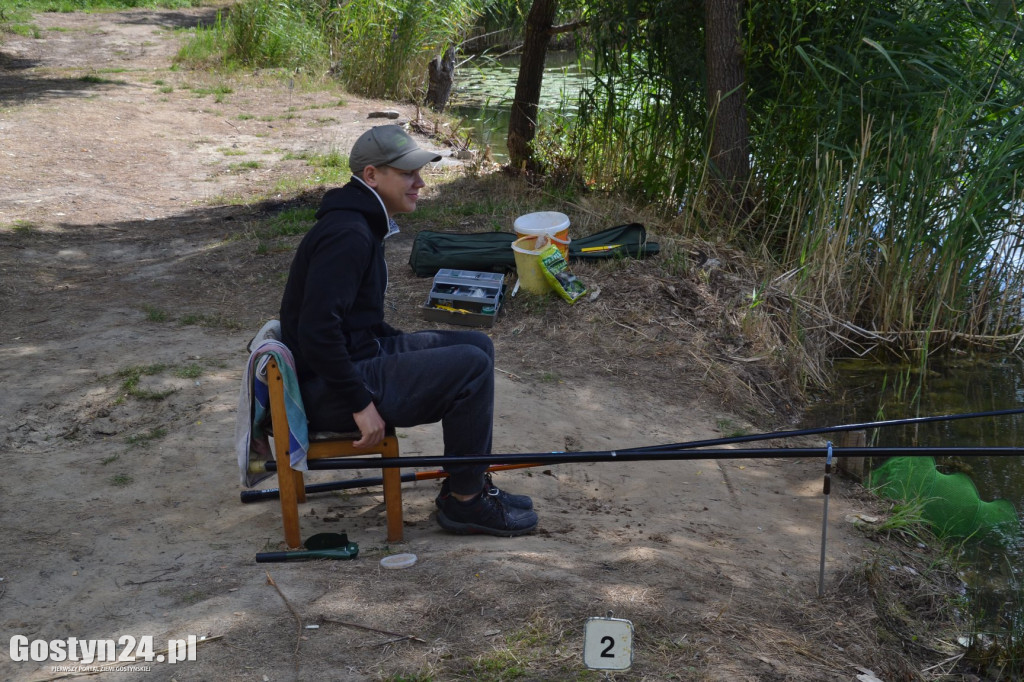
(550, 223)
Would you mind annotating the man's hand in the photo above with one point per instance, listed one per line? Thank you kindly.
(371, 427)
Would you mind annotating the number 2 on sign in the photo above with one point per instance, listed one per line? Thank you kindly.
(608, 644)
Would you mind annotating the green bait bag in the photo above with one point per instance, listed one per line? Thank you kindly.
(556, 272)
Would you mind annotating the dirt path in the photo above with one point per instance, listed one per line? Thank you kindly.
(122, 275)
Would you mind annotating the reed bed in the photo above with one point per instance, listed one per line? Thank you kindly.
(886, 151)
(374, 49)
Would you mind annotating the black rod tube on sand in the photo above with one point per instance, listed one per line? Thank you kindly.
(668, 453)
(248, 496)
(275, 493)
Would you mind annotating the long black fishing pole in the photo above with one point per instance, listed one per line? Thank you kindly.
(716, 442)
(664, 453)
(254, 495)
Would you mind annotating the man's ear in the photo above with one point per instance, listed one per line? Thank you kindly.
(370, 174)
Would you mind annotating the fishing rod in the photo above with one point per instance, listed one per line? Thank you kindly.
(715, 442)
(661, 454)
(271, 466)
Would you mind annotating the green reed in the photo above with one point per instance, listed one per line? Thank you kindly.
(374, 49)
(382, 49)
(886, 150)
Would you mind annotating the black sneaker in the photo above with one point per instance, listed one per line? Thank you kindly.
(485, 515)
(507, 499)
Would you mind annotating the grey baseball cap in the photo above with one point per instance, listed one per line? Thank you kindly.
(388, 146)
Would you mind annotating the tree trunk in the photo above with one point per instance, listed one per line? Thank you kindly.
(729, 152)
(522, 125)
(442, 73)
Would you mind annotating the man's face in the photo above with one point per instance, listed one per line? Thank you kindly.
(398, 189)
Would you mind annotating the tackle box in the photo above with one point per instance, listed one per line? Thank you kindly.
(465, 297)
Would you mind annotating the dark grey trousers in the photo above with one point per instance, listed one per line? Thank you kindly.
(422, 378)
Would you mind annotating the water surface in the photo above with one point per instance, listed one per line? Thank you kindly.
(485, 87)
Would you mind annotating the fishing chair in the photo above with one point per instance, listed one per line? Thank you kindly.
(324, 445)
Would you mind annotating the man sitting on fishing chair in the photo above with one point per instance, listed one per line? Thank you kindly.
(357, 372)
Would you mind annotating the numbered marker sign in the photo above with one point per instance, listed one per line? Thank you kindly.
(608, 644)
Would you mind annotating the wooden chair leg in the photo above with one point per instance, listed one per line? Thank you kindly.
(392, 492)
(289, 501)
(285, 474)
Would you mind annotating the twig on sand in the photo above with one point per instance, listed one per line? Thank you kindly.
(513, 377)
(367, 627)
(298, 622)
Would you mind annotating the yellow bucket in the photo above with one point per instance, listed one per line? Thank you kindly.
(531, 277)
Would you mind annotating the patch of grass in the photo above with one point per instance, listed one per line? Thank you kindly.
(411, 677)
(110, 460)
(219, 92)
(120, 480)
(205, 49)
(332, 159)
(535, 635)
(99, 80)
(245, 165)
(132, 376)
(526, 650)
(154, 314)
(245, 117)
(146, 437)
(323, 121)
(225, 200)
(731, 429)
(27, 30)
(322, 176)
(287, 223)
(292, 221)
(497, 666)
(192, 371)
(228, 151)
(22, 227)
(165, 89)
(906, 519)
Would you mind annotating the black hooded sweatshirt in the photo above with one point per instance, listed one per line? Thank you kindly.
(332, 311)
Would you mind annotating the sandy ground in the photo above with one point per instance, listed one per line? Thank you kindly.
(123, 257)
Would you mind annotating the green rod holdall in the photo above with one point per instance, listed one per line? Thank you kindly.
(492, 251)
